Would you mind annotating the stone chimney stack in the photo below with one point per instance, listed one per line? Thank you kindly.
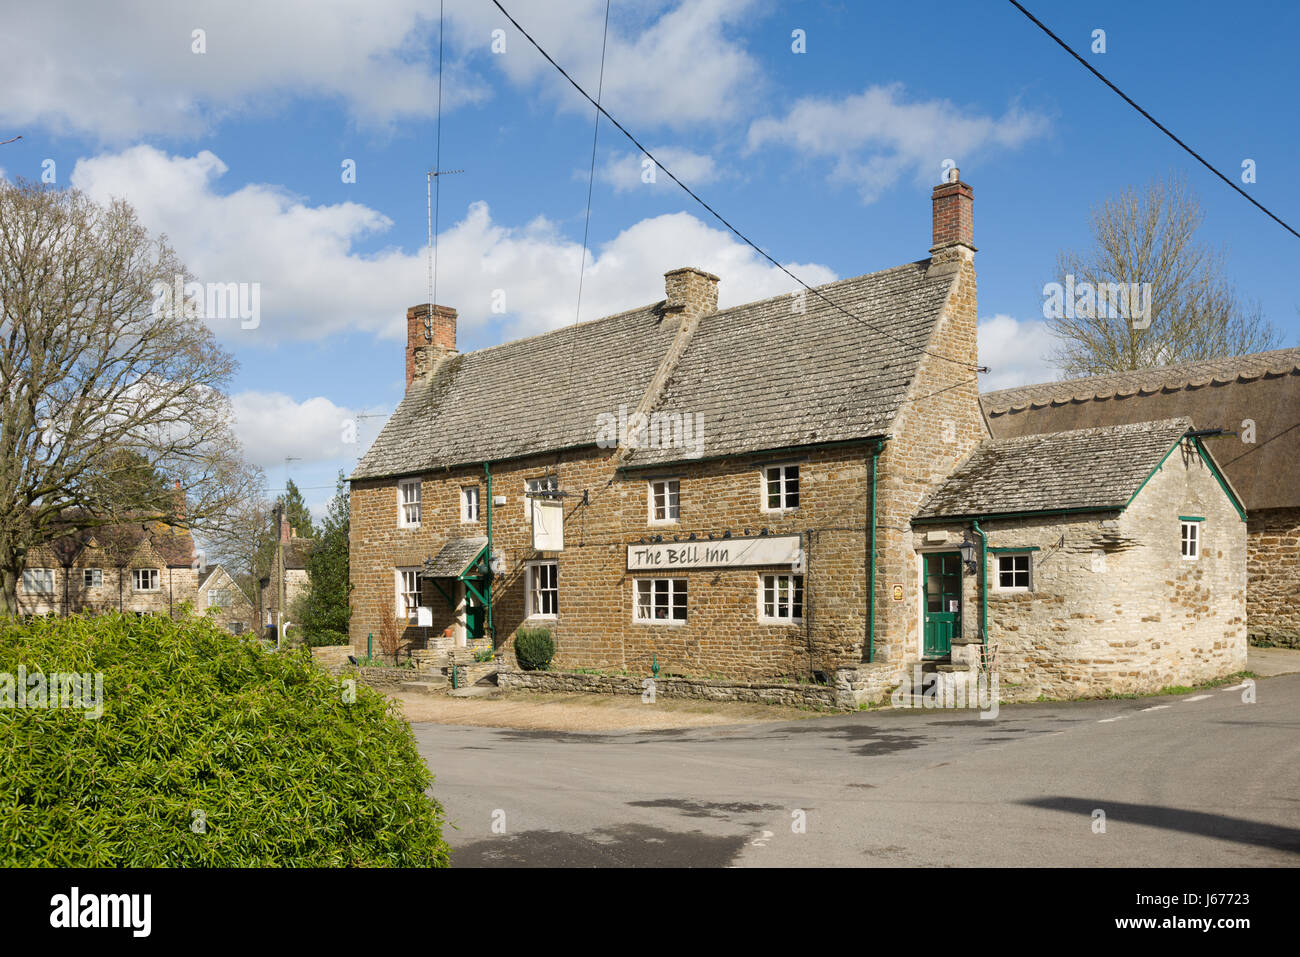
(286, 533)
(691, 293)
(430, 335)
(953, 205)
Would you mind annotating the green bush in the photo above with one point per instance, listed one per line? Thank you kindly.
(281, 768)
(320, 639)
(534, 648)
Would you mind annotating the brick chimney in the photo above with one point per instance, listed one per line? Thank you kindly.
(286, 533)
(691, 292)
(423, 350)
(953, 205)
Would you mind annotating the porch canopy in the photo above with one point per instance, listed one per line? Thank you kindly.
(463, 560)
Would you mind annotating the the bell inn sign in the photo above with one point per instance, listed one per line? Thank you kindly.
(724, 553)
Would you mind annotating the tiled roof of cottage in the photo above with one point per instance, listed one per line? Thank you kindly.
(1097, 469)
(1255, 396)
(174, 545)
(760, 375)
(1245, 368)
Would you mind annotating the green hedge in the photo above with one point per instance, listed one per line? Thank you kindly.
(284, 770)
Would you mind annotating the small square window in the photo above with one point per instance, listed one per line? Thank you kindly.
(1190, 540)
(665, 498)
(92, 577)
(780, 488)
(1014, 572)
(469, 503)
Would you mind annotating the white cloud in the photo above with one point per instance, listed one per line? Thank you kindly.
(314, 283)
(120, 70)
(675, 65)
(123, 70)
(272, 425)
(626, 171)
(1015, 351)
(876, 137)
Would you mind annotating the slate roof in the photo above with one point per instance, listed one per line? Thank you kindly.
(760, 375)
(1097, 469)
(1245, 368)
(454, 557)
(517, 398)
(174, 545)
(1258, 392)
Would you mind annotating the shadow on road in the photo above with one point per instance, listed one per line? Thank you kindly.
(1221, 826)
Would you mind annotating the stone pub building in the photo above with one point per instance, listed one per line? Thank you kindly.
(801, 488)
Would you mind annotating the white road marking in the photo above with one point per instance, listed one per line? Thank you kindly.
(1109, 720)
(1199, 697)
(1157, 707)
(1235, 687)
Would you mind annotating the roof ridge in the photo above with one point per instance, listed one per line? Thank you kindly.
(1183, 372)
(1147, 425)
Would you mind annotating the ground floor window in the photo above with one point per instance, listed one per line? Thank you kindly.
(780, 597)
(408, 594)
(93, 577)
(1191, 539)
(1014, 572)
(661, 600)
(38, 581)
(543, 589)
(144, 579)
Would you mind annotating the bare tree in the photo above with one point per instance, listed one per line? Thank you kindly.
(1150, 293)
(90, 370)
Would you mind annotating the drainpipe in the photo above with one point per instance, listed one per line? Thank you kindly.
(492, 632)
(871, 560)
(984, 587)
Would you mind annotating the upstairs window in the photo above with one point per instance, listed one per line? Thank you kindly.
(469, 503)
(664, 501)
(92, 577)
(780, 488)
(38, 581)
(408, 503)
(219, 598)
(547, 483)
(1190, 539)
(144, 579)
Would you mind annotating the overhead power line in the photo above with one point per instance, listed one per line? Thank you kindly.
(716, 215)
(1153, 121)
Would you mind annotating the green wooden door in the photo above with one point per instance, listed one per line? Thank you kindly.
(942, 602)
(474, 616)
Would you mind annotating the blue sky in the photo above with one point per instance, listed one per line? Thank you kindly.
(825, 158)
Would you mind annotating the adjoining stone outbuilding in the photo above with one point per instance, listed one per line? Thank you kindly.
(1115, 557)
(1254, 401)
(736, 493)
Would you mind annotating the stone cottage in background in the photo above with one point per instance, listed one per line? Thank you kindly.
(133, 567)
(795, 488)
(1254, 401)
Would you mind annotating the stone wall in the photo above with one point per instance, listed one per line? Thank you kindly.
(332, 657)
(1273, 577)
(821, 697)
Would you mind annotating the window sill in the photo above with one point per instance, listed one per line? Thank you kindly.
(542, 618)
(779, 621)
(669, 622)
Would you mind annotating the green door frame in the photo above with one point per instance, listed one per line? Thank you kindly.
(940, 626)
